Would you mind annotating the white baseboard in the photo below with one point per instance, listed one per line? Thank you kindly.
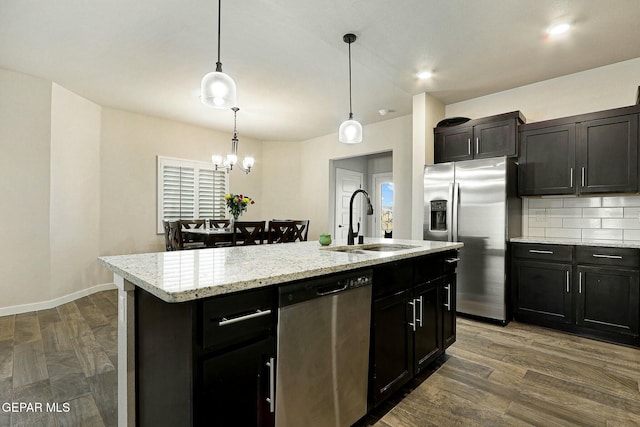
(45, 305)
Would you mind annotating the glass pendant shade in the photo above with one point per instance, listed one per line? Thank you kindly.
(248, 162)
(218, 90)
(350, 132)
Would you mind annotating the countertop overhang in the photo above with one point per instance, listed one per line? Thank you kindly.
(181, 276)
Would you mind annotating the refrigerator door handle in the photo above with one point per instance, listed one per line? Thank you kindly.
(454, 224)
(450, 214)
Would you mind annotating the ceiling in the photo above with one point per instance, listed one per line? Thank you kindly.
(288, 59)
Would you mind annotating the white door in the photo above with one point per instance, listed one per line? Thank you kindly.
(346, 183)
(383, 204)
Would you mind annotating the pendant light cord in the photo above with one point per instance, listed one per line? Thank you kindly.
(219, 64)
(350, 106)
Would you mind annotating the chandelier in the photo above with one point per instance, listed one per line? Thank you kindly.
(232, 159)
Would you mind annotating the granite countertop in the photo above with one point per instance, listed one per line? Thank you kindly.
(193, 274)
(578, 242)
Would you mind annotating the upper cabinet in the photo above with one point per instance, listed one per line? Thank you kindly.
(493, 136)
(587, 154)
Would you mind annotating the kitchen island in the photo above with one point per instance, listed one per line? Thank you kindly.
(207, 276)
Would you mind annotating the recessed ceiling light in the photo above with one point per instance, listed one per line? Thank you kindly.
(424, 75)
(558, 29)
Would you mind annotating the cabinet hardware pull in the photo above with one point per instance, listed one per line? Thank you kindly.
(270, 399)
(580, 284)
(536, 251)
(451, 260)
(477, 144)
(607, 256)
(448, 304)
(567, 281)
(469, 146)
(421, 311)
(571, 179)
(412, 303)
(583, 177)
(224, 321)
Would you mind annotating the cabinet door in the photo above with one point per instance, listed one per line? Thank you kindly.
(428, 324)
(235, 387)
(453, 145)
(547, 161)
(495, 139)
(449, 310)
(608, 299)
(608, 155)
(542, 292)
(391, 360)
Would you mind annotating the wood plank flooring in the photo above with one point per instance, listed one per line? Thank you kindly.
(521, 375)
(516, 375)
(66, 355)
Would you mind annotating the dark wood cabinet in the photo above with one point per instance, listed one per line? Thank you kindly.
(607, 155)
(595, 293)
(410, 320)
(213, 357)
(493, 136)
(585, 154)
(547, 161)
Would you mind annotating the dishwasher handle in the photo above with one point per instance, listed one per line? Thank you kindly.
(331, 289)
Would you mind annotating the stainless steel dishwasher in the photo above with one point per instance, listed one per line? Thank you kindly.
(323, 350)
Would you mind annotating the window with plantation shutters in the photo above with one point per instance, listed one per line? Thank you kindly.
(189, 189)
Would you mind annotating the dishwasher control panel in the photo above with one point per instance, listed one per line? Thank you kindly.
(293, 293)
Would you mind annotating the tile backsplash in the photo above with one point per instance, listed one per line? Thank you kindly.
(584, 218)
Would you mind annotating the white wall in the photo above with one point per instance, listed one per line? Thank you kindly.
(313, 192)
(129, 145)
(75, 193)
(25, 135)
(598, 89)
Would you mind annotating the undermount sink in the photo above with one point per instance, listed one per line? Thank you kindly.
(373, 247)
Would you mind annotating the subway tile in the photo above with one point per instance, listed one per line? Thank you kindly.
(601, 234)
(537, 212)
(602, 212)
(631, 235)
(582, 202)
(632, 224)
(582, 223)
(573, 233)
(564, 212)
(623, 201)
(536, 232)
(545, 203)
(632, 213)
(545, 221)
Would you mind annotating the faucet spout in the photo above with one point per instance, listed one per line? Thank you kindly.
(351, 235)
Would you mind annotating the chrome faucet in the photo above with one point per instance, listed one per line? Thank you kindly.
(350, 236)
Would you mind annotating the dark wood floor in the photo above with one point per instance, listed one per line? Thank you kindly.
(63, 355)
(492, 376)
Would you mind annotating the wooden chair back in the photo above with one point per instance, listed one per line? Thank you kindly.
(167, 240)
(300, 230)
(248, 232)
(175, 236)
(219, 223)
(281, 231)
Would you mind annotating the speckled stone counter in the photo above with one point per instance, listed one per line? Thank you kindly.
(578, 242)
(188, 275)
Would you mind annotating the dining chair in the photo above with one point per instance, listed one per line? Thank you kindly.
(189, 224)
(177, 240)
(167, 239)
(280, 231)
(300, 230)
(248, 233)
(219, 223)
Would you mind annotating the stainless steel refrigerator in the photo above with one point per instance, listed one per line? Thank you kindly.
(475, 202)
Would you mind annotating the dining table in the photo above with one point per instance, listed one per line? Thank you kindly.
(211, 237)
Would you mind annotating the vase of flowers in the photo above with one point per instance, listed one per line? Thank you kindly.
(237, 203)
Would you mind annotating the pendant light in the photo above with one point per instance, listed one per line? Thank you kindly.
(232, 159)
(350, 131)
(217, 89)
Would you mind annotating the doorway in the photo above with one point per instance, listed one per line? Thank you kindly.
(382, 195)
(347, 182)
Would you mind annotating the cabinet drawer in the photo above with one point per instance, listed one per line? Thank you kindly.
(233, 319)
(428, 268)
(559, 253)
(392, 278)
(621, 257)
